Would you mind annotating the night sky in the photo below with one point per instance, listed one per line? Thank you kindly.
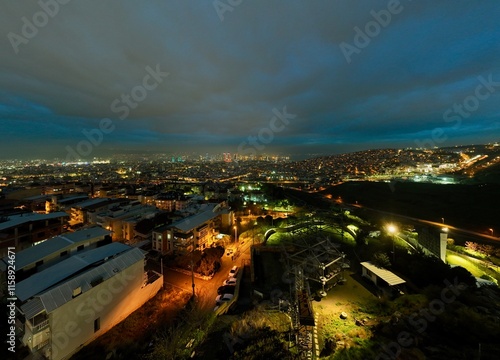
(346, 75)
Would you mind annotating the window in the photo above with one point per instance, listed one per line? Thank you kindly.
(80, 248)
(64, 253)
(97, 324)
(39, 263)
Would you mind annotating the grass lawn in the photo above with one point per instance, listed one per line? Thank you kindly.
(352, 298)
(454, 259)
(475, 267)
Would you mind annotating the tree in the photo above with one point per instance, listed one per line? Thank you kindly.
(486, 249)
(462, 275)
(210, 261)
(361, 237)
(472, 246)
(381, 260)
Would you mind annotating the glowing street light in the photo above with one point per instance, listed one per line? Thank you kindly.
(490, 229)
(392, 230)
(235, 233)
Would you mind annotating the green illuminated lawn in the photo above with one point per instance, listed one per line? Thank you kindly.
(454, 259)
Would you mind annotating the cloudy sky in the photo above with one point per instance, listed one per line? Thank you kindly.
(95, 77)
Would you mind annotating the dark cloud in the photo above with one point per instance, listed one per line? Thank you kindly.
(226, 77)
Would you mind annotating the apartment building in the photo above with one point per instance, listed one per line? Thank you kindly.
(197, 231)
(21, 231)
(121, 219)
(55, 249)
(85, 212)
(63, 203)
(68, 303)
(172, 201)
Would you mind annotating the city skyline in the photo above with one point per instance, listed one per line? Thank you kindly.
(246, 77)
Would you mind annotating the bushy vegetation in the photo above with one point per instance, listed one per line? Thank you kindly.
(206, 263)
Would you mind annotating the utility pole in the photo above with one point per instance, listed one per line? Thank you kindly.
(192, 268)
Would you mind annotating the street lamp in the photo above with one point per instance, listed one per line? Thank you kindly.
(392, 230)
(490, 229)
(235, 233)
(192, 268)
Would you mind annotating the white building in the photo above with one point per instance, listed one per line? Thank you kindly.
(56, 249)
(70, 303)
(383, 278)
(197, 231)
(121, 220)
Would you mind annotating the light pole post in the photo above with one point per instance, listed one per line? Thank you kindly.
(192, 268)
(392, 230)
(393, 250)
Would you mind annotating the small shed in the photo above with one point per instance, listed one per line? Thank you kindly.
(380, 276)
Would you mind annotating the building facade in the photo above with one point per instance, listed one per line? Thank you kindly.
(23, 230)
(67, 305)
(195, 232)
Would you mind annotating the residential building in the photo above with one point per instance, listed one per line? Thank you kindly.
(23, 230)
(172, 201)
(122, 218)
(72, 302)
(55, 249)
(197, 231)
(86, 211)
(61, 203)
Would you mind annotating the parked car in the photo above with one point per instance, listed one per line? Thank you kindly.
(230, 281)
(233, 271)
(223, 298)
(226, 289)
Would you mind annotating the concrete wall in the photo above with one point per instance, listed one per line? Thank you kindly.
(368, 274)
(72, 325)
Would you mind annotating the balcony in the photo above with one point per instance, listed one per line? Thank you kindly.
(41, 345)
(41, 326)
(38, 324)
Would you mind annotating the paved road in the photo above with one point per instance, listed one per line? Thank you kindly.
(206, 290)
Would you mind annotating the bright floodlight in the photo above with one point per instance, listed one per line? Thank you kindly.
(445, 229)
(391, 228)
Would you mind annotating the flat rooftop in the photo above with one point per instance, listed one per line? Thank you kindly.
(43, 280)
(16, 220)
(56, 244)
(386, 275)
(193, 221)
(91, 203)
(62, 292)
